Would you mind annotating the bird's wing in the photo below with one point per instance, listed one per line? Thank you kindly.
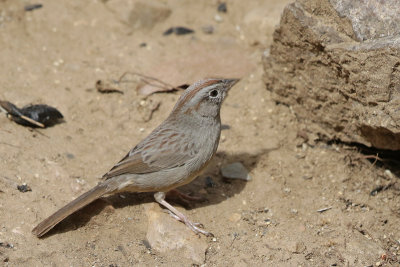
(163, 149)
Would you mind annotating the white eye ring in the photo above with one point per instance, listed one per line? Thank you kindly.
(214, 93)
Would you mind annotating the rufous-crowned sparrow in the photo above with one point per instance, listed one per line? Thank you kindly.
(172, 155)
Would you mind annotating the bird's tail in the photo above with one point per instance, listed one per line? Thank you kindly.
(75, 205)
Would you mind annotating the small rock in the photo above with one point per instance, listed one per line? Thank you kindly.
(75, 186)
(146, 14)
(218, 18)
(287, 190)
(70, 155)
(388, 174)
(24, 188)
(209, 29)
(32, 7)
(169, 236)
(222, 8)
(235, 217)
(6, 245)
(235, 171)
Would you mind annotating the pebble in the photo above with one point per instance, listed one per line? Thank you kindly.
(75, 186)
(218, 18)
(144, 15)
(6, 245)
(70, 155)
(287, 190)
(235, 170)
(32, 7)
(388, 174)
(24, 188)
(209, 29)
(235, 217)
(222, 8)
(299, 248)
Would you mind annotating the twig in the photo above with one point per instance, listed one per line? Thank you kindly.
(12, 110)
(41, 125)
(324, 209)
(234, 238)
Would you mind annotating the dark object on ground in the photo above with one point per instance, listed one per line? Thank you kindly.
(32, 7)
(6, 245)
(178, 31)
(222, 8)
(32, 115)
(24, 188)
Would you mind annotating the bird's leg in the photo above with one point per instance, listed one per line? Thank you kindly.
(160, 198)
(179, 219)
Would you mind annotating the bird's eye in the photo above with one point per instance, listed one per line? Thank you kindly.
(214, 93)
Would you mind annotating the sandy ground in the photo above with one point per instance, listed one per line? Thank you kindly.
(55, 54)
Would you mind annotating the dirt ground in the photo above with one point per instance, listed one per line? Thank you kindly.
(55, 54)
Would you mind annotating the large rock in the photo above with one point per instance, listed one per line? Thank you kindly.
(337, 64)
(168, 236)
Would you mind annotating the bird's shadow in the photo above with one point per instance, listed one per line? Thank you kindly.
(210, 186)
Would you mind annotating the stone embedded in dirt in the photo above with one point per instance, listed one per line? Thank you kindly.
(218, 18)
(167, 235)
(297, 247)
(140, 14)
(235, 217)
(6, 245)
(209, 29)
(235, 171)
(339, 85)
(370, 19)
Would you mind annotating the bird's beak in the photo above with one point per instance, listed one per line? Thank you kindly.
(229, 83)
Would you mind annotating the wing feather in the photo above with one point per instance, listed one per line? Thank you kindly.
(163, 149)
